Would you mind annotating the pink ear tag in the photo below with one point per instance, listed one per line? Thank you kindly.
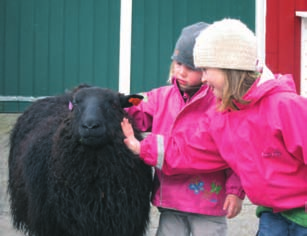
(70, 106)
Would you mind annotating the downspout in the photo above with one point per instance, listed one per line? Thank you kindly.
(261, 28)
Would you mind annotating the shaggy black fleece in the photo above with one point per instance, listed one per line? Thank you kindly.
(70, 173)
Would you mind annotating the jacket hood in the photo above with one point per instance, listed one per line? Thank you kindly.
(266, 85)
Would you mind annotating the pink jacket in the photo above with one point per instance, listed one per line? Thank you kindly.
(265, 143)
(163, 112)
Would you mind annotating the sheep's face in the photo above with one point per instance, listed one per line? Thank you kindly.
(97, 113)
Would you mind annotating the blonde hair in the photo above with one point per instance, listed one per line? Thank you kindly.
(237, 83)
(170, 73)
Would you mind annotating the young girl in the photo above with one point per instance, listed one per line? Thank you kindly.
(189, 203)
(259, 129)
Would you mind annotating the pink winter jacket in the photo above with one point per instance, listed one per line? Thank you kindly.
(265, 143)
(164, 112)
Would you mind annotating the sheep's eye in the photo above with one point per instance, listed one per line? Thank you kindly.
(76, 101)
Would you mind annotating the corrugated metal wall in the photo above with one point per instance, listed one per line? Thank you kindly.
(48, 46)
(157, 24)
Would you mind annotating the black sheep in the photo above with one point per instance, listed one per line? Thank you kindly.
(70, 173)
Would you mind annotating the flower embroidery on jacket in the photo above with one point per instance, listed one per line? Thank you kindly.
(197, 187)
(208, 193)
(211, 195)
(215, 188)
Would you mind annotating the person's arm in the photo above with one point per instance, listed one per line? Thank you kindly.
(235, 194)
(143, 114)
(292, 116)
(182, 153)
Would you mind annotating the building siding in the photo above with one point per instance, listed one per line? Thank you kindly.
(49, 46)
(283, 33)
(53, 45)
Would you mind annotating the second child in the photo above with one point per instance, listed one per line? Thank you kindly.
(189, 203)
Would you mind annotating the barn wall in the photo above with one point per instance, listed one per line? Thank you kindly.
(157, 25)
(48, 46)
(283, 35)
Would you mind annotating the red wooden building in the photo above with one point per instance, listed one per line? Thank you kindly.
(285, 42)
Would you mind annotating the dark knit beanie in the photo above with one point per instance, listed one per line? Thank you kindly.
(183, 52)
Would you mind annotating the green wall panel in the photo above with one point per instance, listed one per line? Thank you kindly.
(157, 25)
(49, 46)
(26, 44)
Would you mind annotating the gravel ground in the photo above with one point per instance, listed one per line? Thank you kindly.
(245, 224)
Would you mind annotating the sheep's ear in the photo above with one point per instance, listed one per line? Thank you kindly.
(130, 100)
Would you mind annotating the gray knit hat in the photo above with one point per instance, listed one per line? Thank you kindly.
(183, 51)
(227, 44)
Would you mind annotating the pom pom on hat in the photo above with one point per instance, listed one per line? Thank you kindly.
(226, 44)
(183, 51)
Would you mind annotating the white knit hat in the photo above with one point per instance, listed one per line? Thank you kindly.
(227, 44)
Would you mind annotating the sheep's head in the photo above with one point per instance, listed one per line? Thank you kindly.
(97, 113)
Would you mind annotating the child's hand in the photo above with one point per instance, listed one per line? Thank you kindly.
(131, 142)
(232, 205)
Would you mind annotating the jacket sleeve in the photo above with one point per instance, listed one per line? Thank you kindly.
(293, 117)
(143, 113)
(178, 154)
(233, 184)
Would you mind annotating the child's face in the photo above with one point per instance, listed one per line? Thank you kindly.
(215, 78)
(186, 77)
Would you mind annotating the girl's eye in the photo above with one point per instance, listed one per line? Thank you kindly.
(204, 70)
(177, 63)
